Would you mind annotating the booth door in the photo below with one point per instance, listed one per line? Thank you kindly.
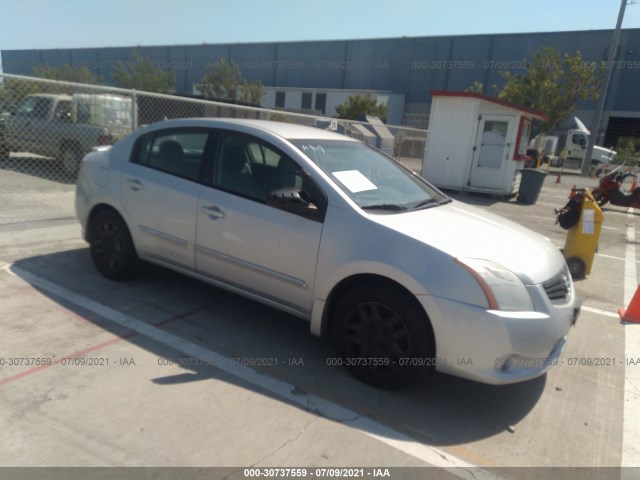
(491, 152)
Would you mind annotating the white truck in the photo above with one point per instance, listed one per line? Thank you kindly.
(573, 143)
(66, 127)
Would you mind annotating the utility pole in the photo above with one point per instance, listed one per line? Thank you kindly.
(595, 128)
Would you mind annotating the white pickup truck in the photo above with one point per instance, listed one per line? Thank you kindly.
(66, 127)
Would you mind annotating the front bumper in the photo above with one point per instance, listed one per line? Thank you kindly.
(497, 347)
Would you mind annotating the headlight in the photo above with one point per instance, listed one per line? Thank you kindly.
(503, 289)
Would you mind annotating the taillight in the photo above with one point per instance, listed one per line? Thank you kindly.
(105, 140)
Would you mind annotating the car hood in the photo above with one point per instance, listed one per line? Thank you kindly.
(604, 151)
(460, 230)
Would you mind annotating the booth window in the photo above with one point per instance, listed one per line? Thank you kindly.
(524, 131)
(306, 101)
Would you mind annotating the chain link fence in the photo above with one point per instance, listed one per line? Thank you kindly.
(47, 126)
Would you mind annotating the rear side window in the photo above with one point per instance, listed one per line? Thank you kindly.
(177, 152)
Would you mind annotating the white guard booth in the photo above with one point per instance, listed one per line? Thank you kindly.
(477, 143)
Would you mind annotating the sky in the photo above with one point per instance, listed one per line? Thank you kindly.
(39, 24)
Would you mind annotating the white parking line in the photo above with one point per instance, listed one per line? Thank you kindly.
(614, 258)
(308, 401)
(550, 205)
(631, 419)
(599, 311)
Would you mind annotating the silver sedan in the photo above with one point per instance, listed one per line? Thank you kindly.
(403, 278)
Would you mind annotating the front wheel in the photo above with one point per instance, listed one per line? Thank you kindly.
(112, 249)
(383, 336)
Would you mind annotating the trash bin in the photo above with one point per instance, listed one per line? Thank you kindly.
(530, 185)
(582, 239)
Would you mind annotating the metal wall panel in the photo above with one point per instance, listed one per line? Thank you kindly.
(411, 66)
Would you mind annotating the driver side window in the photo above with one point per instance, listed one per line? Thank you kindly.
(252, 168)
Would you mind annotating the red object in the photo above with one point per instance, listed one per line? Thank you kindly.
(609, 190)
(572, 193)
(633, 185)
(105, 140)
(632, 314)
(517, 156)
(558, 178)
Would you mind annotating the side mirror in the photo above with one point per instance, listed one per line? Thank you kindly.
(292, 200)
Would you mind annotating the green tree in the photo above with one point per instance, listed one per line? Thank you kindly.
(626, 152)
(143, 74)
(251, 92)
(553, 84)
(66, 73)
(477, 87)
(357, 106)
(13, 90)
(225, 81)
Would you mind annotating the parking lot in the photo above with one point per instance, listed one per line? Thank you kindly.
(168, 371)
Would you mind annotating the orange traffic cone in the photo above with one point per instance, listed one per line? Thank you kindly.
(632, 314)
(558, 178)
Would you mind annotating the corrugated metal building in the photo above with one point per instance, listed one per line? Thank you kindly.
(408, 66)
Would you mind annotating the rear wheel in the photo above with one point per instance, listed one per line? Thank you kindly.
(112, 249)
(4, 152)
(383, 336)
(71, 156)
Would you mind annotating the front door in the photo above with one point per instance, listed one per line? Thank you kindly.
(27, 125)
(491, 153)
(248, 244)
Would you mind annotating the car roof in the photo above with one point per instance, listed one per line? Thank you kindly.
(289, 131)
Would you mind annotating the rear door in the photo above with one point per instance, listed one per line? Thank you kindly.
(160, 191)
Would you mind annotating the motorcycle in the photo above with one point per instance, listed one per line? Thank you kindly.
(608, 190)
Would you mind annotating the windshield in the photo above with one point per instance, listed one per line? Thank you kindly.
(371, 179)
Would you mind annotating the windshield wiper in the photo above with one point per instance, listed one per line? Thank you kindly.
(384, 206)
(431, 203)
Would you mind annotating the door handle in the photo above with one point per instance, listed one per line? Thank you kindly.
(214, 212)
(134, 184)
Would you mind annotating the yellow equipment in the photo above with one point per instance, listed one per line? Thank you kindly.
(582, 239)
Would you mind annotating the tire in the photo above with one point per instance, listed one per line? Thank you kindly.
(601, 200)
(577, 267)
(70, 157)
(383, 337)
(112, 249)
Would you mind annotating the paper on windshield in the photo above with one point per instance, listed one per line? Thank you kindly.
(354, 181)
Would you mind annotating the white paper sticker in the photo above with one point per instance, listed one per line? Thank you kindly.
(588, 222)
(354, 181)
